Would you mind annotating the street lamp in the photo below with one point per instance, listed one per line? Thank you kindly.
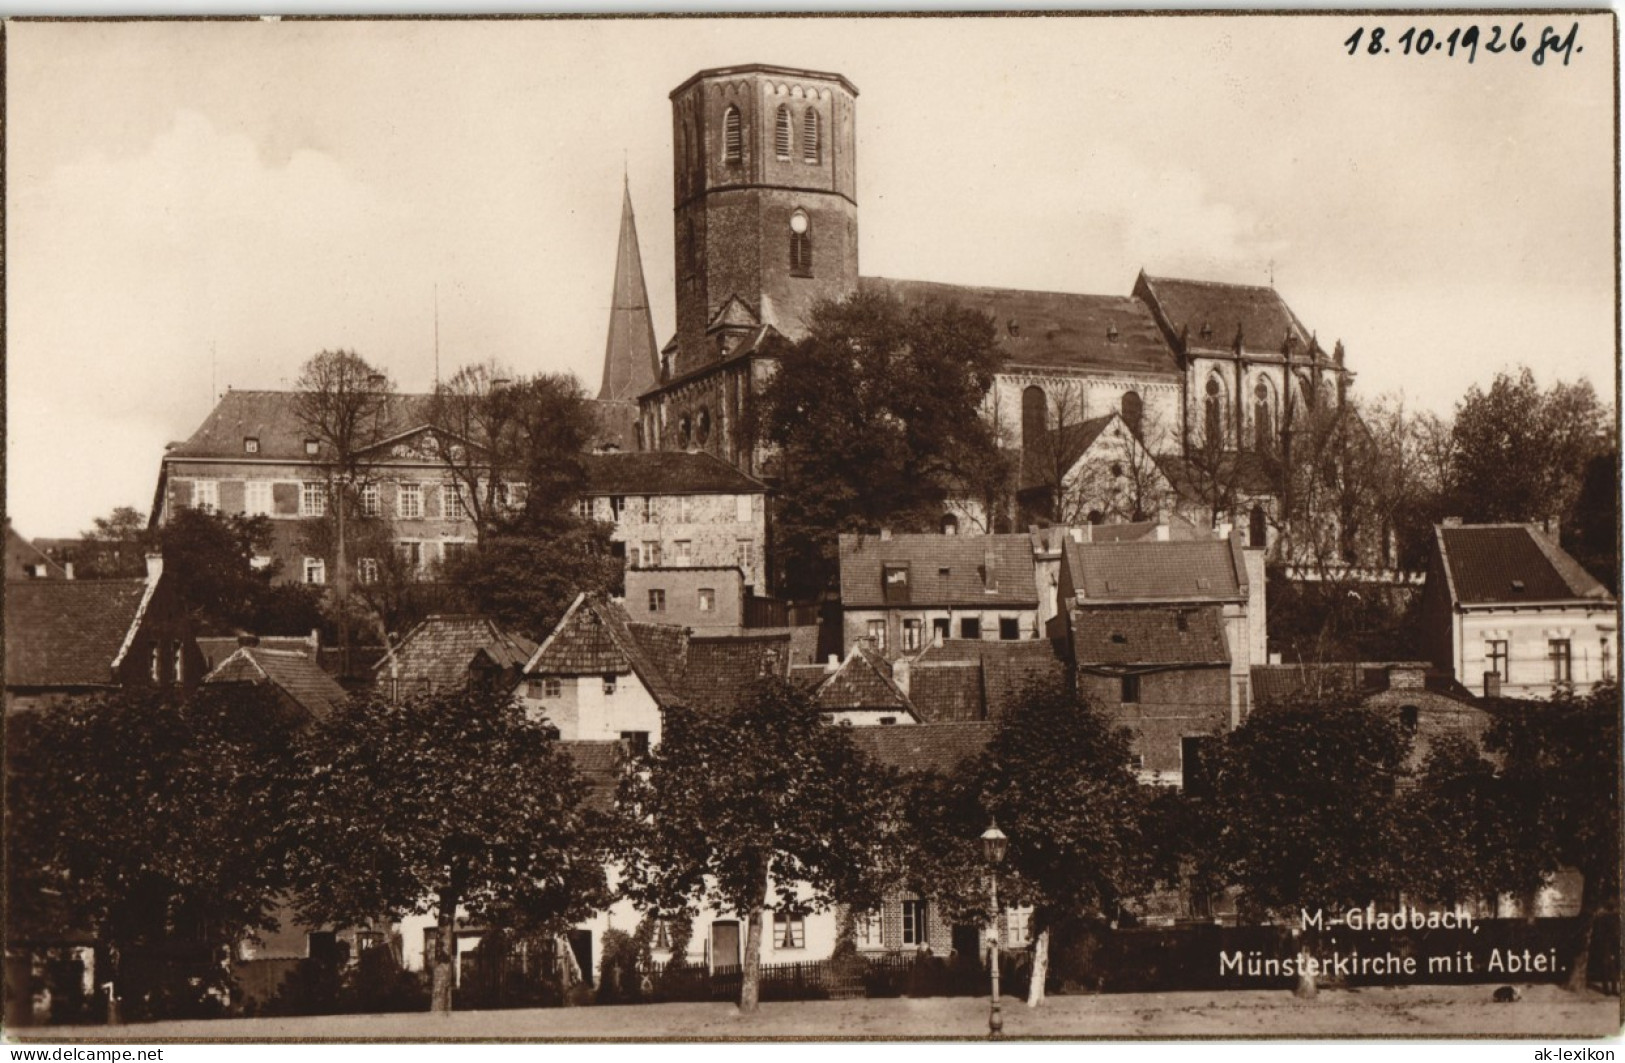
(994, 844)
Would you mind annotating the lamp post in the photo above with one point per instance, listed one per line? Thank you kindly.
(994, 844)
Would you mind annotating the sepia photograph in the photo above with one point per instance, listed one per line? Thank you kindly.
(865, 527)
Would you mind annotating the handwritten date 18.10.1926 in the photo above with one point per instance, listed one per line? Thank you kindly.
(1466, 41)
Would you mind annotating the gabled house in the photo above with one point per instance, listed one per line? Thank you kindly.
(450, 651)
(1094, 471)
(303, 689)
(71, 637)
(901, 592)
(861, 691)
(1162, 635)
(1508, 613)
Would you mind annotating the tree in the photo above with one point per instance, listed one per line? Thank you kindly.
(149, 822)
(1521, 453)
(211, 559)
(451, 803)
(526, 579)
(1115, 479)
(740, 804)
(1410, 467)
(1558, 798)
(871, 419)
(116, 546)
(1057, 778)
(344, 403)
(1591, 531)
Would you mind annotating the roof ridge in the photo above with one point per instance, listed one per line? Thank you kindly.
(1126, 299)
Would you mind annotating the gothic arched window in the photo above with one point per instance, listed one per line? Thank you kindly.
(811, 149)
(800, 244)
(1213, 413)
(1133, 410)
(781, 134)
(733, 136)
(1263, 418)
(1034, 416)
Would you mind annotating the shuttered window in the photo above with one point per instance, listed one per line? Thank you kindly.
(811, 150)
(781, 134)
(733, 136)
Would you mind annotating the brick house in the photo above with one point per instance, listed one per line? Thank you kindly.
(66, 638)
(704, 599)
(681, 510)
(1506, 612)
(901, 592)
(1162, 636)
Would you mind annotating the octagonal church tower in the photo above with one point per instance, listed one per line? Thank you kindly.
(764, 165)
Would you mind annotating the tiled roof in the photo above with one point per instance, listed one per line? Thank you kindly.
(1008, 668)
(947, 691)
(944, 570)
(595, 637)
(290, 671)
(863, 681)
(1149, 635)
(724, 669)
(216, 650)
(1487, 561)
(1152, 571)
(68, 632)
(441, 648)
(599, 764)
(1054, 329)
(662, 472)
(929, 747)
(271, 417)
(1284, 682)
(1259, 313)
(807, 675)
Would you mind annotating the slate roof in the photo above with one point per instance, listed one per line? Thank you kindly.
(664, 472)
(441, 648)
(722, 670)
(1007, 668)
(1484, 561)
(66, 633)
(1149, 635)
(1190, 571)
(290, 671)
(963, 556)
(270, 417)
(1259, 312)
(863, 681)
(595, 637)
(940, 748)
(1105, 333)
(947, 691)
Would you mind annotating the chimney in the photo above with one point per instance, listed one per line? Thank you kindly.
(155, 566)
(1492, 684)
(1451, 522)
(1162, 533)
(67, 570)
(900, 673)
(833, 664)
(936, 637)
(885, 535)
(990, 579)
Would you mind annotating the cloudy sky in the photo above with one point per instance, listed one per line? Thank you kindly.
(192, 206)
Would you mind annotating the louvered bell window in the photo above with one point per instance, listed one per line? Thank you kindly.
(811, 150)
(781, 134)
(733, 136)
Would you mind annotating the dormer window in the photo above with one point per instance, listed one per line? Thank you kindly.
(251, 445)
(733, 137)
(781, 134)
(313, 447)
(800, 244)
(811, 149)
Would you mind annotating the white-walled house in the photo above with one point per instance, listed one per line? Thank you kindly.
(1507, 613)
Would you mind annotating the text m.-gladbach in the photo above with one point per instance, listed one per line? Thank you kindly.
(1404, 918)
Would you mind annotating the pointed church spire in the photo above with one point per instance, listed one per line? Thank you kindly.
(630, 355)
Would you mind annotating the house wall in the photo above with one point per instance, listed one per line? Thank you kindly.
(1592, 632)
(1173, 704)
(682, 588)
(721, 530)
(583, 712)
(855, 624)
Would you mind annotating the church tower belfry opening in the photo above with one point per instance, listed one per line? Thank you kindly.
(765, 186)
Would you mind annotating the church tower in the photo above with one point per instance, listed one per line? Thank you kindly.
(630, 355)
(765, 178)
